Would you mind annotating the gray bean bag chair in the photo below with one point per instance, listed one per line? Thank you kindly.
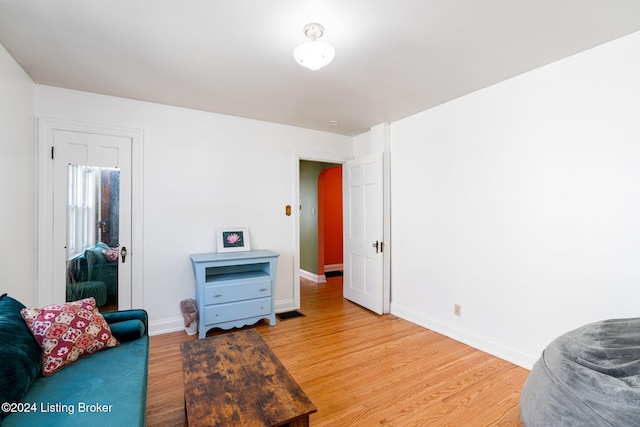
(587, 377)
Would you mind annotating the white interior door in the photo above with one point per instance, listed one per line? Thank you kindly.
(363, 233)
(85, 153)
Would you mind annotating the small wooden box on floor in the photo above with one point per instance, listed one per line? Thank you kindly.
(235, 379)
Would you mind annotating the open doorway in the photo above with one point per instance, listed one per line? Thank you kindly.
(356, 174)
(298, 156)
(320, 226)
(330, 228)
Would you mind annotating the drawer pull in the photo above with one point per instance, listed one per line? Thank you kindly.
(263, 289)
(217, 295)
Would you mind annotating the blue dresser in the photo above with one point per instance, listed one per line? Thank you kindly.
(234, 289)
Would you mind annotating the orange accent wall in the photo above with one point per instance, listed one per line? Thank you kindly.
(330, 217)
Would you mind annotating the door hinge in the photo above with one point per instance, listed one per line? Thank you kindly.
(52, 152)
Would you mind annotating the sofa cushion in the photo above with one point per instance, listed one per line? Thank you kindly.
(19, 352)
(107, 389)
(67, 332)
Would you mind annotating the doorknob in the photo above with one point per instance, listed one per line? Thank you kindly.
(377, 246)
(123, 253)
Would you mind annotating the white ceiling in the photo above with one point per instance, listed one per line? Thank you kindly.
(393, 58)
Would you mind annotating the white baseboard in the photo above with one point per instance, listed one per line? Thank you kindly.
(465, 336)
(450, 330)
(313, 277)
(285, 305)
(165, 326)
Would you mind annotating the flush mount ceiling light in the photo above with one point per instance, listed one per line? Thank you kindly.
(314, 54)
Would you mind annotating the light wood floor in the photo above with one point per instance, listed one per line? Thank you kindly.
(361, 369)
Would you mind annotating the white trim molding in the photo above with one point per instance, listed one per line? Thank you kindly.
(313, 277)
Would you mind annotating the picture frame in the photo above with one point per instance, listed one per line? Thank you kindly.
(233, 239)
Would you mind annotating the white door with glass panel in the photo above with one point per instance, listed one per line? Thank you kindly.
(92, 217)
(363, 233)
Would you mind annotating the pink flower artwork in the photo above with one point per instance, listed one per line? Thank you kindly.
(233, 238)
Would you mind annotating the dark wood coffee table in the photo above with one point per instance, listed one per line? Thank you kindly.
(235, 380)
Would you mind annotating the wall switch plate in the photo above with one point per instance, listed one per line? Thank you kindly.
(457, 309)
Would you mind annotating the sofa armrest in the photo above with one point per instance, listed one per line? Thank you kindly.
(115, 317)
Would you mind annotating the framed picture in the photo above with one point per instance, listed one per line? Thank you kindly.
(233, 239)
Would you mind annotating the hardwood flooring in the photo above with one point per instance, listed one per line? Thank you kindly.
(361, 369)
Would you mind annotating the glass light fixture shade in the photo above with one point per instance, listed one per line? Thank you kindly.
(314, 54)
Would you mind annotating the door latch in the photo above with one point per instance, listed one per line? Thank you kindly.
(123, 253)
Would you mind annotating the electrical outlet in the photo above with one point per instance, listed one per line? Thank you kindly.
(457, 309)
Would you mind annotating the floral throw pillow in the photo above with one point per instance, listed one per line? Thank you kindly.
(67, 332)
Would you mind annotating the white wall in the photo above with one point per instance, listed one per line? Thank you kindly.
(521, 202)
(17, 248)
(202, 171)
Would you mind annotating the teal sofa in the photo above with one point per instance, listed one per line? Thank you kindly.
(107, 388)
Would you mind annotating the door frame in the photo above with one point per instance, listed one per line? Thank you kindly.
(44, 194)
(386, 208)
(295, 211)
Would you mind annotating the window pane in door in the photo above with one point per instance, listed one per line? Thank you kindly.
(92, 234)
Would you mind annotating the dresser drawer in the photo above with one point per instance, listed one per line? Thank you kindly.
(236, 291)
(236, 310)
